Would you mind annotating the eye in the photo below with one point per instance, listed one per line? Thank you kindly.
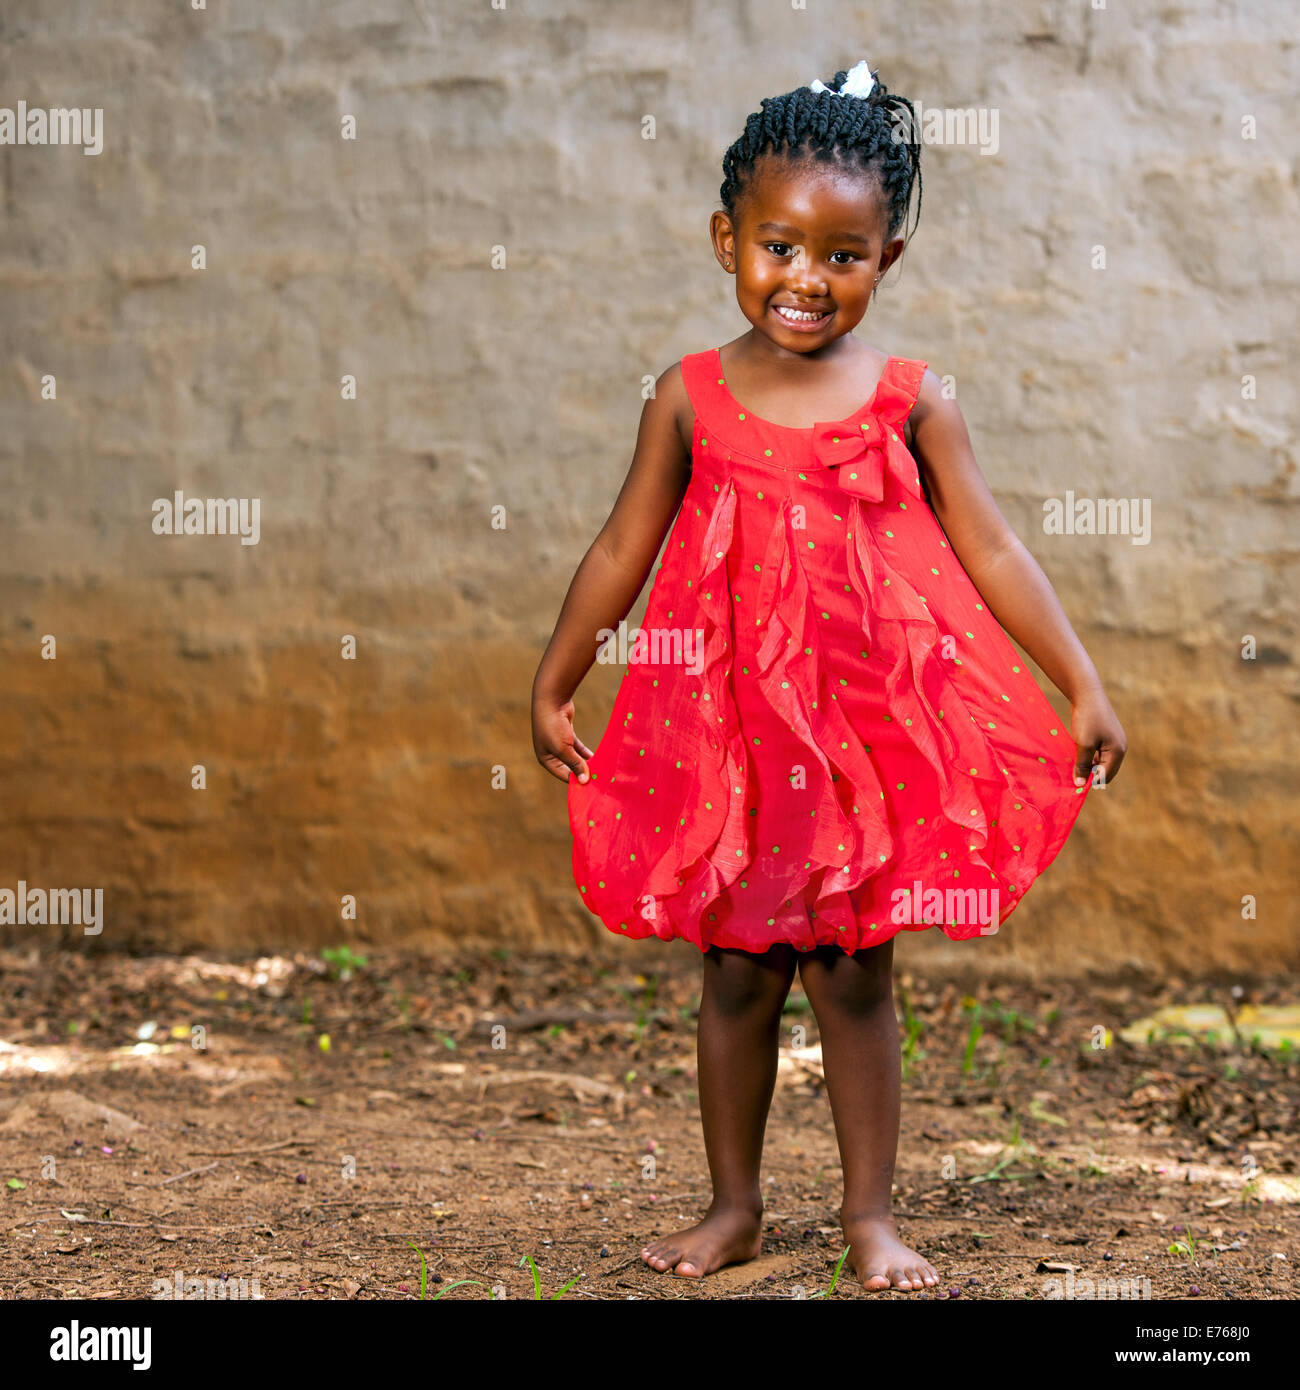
(781, 248)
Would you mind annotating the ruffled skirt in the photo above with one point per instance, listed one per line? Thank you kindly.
(842, 751)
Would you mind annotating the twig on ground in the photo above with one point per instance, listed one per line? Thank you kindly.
(189, 1173)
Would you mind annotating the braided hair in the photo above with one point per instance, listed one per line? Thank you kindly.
(853, 131)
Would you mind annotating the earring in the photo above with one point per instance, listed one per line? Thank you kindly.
(728, 265)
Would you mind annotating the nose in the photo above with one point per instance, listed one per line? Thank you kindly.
(802, 276)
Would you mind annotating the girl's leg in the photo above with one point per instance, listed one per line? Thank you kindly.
(737, 1044)
(853, 998)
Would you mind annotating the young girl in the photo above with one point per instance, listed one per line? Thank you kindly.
(823, 736)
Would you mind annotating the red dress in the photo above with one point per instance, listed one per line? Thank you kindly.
(823, 736)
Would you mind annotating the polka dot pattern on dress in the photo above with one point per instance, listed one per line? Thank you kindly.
(751, 809)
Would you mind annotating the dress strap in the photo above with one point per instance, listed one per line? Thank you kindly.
(700, 377)
(899, 387)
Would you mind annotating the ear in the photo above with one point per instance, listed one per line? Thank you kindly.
(890, 252)
(723, 236)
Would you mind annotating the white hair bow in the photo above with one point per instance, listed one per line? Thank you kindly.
(858, 83)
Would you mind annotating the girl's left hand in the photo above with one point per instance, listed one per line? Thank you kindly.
(1098, 737)
(557, 746)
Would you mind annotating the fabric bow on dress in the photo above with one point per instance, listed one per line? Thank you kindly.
(857, 454)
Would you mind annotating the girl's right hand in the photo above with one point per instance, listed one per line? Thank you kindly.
(559, 750)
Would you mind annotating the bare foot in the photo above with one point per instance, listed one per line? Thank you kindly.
(880, 1259)
(726, 1236)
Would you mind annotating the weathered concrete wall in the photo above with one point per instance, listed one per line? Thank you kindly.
(519, 386)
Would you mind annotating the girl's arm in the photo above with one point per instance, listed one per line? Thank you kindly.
(1008, 577)
(612, 573)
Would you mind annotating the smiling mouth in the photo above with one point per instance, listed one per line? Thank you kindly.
(803, 318)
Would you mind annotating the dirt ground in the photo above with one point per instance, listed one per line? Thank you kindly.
(339, 1113)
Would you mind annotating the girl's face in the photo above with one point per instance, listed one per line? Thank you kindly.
(809, 241)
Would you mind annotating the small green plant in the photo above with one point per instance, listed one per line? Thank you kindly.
(1094, 1168)
(1185, 1247)
(912, 1026)
(402, 998)
(642, 999)
(643, 996)
(972, 1039)
(1016, 1148)
(835, 1278)
(424, 1277)
(994, 1174)
(537, 1281)
(1013, 1022)
(343, 962)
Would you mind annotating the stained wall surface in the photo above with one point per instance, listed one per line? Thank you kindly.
(500, 259)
